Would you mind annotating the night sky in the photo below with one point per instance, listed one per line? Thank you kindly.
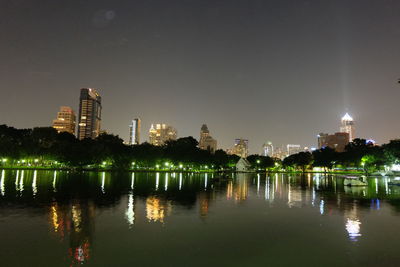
(280, 71)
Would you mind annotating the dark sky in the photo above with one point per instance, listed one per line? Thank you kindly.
(279, 70)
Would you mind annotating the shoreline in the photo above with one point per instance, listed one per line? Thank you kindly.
(357, 173)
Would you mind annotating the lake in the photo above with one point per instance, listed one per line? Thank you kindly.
(57, 218)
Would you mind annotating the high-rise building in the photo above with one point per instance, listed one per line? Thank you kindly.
(348, 126)
(241, 148)
(134, 132)
(279, 153)
(160, 133)
(65, 121)
(89, 113)
(293, 149)
(337, 141)
(206, 141)
(268, 149)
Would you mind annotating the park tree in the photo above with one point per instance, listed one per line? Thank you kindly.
(324, 157)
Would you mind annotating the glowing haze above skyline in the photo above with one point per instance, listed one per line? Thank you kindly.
(279, 71)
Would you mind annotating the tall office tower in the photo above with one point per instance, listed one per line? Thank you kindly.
(206, 141)
(241, 148)
(268, 149)
(134, 132)
(89, 114)
(279, 153)
(293, 149)
(65, 121)
(348, 126)
(160, 133)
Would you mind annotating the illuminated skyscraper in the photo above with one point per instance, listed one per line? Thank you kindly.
(206, 141)
(293, 149)
(348, 126)
(268, 149)
(65, 121)
(160, 133)
(241, 148)
(134, 132)
(89, 114)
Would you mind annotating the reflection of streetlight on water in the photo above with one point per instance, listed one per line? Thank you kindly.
(353, 229)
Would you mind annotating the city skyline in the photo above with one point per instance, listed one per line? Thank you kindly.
(90, 107)
(286, 72)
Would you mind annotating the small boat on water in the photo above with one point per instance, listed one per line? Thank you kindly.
(354, 181)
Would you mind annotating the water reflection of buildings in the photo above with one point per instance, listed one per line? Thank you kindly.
(204, 199)
(76, 221)
(130, 210)
(152, 197)
(239, 188)
(157, 209)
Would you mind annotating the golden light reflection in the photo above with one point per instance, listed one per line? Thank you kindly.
(54, 217)
(229, 190)
(204, 204)
(241, 189)
(156, 210)
(76, 217)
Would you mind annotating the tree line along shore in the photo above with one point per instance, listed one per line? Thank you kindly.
(44, 147)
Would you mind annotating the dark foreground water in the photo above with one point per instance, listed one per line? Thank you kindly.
(52, 218)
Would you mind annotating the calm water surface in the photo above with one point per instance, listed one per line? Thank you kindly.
(50, 218)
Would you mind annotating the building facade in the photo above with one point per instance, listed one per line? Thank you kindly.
(134, 132)
(268, 149)
(160, 133)
(348, 126)
(279, 153)
(293, 149)
(243, 165)
(241, 148)
(89, 114)
(66, 120)
(337, 141)
(206, 141)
